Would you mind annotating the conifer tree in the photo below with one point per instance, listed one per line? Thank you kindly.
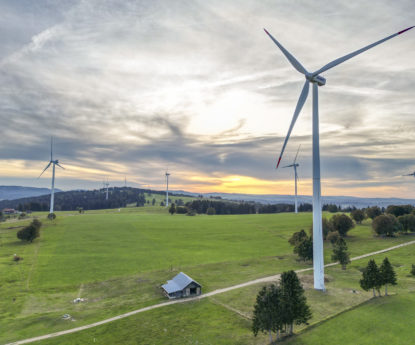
(293, 302)
(388, 274)
(340, 253)
(371, 278)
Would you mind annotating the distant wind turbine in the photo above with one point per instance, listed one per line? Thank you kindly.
(295, 165)
(317, 80)
(106, 184)
(53, 163)
(167, 188)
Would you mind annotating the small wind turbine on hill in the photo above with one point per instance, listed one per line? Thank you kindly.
(167, 188)
(106, 184)
(317, 80)
(295, 165)
(53, 163)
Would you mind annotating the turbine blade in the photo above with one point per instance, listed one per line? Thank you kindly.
(51, 145)
(357, 52)
(301, 101)
(288, 166)
(60, 166)
(47, 166)
(295, 159)
(294, 62)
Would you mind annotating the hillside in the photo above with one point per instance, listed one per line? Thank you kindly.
(18, 192)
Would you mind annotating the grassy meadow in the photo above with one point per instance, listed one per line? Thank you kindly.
(117, 260)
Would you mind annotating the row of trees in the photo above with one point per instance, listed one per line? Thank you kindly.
(375, 277)
(221, 207)
(279, 307)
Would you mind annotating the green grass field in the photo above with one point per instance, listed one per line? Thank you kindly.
(117, 260)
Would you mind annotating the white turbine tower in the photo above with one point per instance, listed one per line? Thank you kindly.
(53, 163)
(106, 184)
(317, 80)
(167, 188)
(295, 165)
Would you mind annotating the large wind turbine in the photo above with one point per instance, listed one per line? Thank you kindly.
(317, 80)
(53, 163)
(295, 165)
(167, 188)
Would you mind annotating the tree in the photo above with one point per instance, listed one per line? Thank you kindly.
(333, 237)
(30, 232)
(399, 210)
(341, 223)
(413, 270)
(172, 209)
(327, 228)
(161, 203)
(373, 212)
(371, 278)
(388, 274)
(267, 311)
(297, 237)
(386, 224)
(51, 216)
(304, 249)
(210, 211)
(153, 202)
(340, 253)
(408, 222)
(293, 302)
(358, 216)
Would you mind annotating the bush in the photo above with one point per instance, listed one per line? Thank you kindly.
(386, 224)
(181, 209)
(333, 237)
(327, 228)
(341, 223)
(191, 212)
(399, 210)
(22, 215)
(210, 211)
(51, 216)
(30, 232)
(408, 222)
(358, 216)
(373, 212)
(17, 258)
(413, 270)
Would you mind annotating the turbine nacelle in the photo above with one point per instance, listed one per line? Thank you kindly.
(316, 79)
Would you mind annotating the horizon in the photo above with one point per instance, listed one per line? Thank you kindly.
(132, 89)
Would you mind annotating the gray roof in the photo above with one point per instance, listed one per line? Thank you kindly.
(178, 283)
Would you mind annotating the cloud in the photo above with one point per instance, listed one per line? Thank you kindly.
(133, 87)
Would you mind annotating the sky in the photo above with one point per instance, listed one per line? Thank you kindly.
(129, 89)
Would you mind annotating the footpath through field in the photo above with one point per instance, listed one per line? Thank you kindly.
(212, 293)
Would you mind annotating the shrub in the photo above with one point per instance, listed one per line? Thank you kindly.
(191, 212)
(181, 209)
(386, 224)
(30, 232)
(22, 215)
(408, 222)
(333, 237)
(327, 228)
(51, 216)
(341, 223)
(373, 212)
(399, 210)
(358, 216)
(413, 270)
(210, 211)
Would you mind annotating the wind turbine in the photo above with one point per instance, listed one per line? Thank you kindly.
(167, 188)
(106, 184)
(53, 163)
(295, 165)
(413, 174)
(317, 80)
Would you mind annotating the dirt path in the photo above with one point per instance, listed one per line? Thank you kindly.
(212, 293)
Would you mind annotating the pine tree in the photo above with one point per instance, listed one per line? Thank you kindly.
(172, 209)
(371, 278)
(293, 302)
(340, 253)
(388, 274)
(267, 311)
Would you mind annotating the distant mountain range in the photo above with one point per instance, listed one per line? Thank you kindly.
(343, 201)
(17, 192)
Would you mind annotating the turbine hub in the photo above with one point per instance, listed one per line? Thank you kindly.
(316, 79)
